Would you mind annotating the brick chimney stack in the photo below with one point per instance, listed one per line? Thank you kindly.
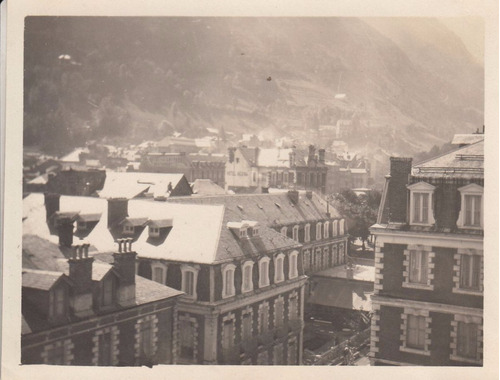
(294, 196)
(397, 196)
(65, 231)
(124, 265)
(117, 210)
(321, 156)
(312, 150)
(80, 272)
(51, 204)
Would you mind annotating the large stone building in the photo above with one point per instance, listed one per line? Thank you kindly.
(240, 262)
(250, 169)
(428, 302)
(81, 311)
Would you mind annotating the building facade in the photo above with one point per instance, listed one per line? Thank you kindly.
(429, 259)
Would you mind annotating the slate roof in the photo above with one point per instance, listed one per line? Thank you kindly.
(465, 162)
(41, 280)
(136, 222)
(469, 138)
(89, 217)
(161, 223)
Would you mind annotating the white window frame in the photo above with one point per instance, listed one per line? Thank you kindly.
(255, 231)
(247, 264)
(326, 230)
(243, 233)
(152, 231)
(128, 229)
(457, 270)
(264, 277)
(293, 257)
(404, 327)
(164, 267)
(474, 190)
(422, 188)
(335, 228)
(293, 297)
(284, 231)
(342, 227)
(428, 285)
(81, 225)
(307, 233)
(228, 290)
(307, 259)
(184, 270)
(319, 227)
(279, 273)
(454, 338)
(295, 233)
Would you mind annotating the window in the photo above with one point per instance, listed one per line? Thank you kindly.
(335, 228)
(81, 225)
(105, 352)
(416, 331)
(58, 302)
(335, 255)
(189, 277)
(264, 272)
(326, 232)
(292, 352)
(469, 271)
(318, 231)
(154, 231)
(255, 231)
(247, 284)
(293, 306)
(419, 267)
(106, 346)
(58, 353)
(307, 259)
(228, 335)
(228, 289)
(278, 268)
(243, 233)
(263, 358)
(466, 339)
(283, 231)
(188, 334)
(128, 229)
(263, 318)
(279, 312)
(246, 326)
(159, 273)
(146, 339)
(278, 354)
(342, 227)
(108, 291)
(421, 195)
(295, 233)
(292, 264)
(471, 211)
(307, 233)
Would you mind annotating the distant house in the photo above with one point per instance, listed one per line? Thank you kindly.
(150, 185)
(81, 181)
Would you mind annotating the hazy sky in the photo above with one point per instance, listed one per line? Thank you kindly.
(471, 31)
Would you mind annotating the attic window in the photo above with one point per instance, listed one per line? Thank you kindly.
(154, 231)
(128, 229)
(255, 231)
(81, 225)
(243, 233)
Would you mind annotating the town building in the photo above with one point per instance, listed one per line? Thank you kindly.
(80, 311)
(194, 166)
(429, 258)
(253, 169)
(239, 262)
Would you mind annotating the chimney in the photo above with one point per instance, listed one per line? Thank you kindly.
(124, 265)
(65, 231)
(256, 157)
(231, 154)
(349, 273)
(51, 204)
(311, 153)
(80, 272)
(397, 195)
(117, 210)
(292, 158)
(321, 156)
(294, 196)
(309, 194)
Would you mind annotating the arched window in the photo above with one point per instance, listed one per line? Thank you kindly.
(159, 272)
(283, 231)
(247, 280)
(228, 289)
(342, 222)
(326, 232)
(335, 228)
(264, 272)
(318, 231)
(307, 232)
(278, 268)
(189, 280)
(295, 232)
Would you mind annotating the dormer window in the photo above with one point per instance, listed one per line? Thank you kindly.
(189, 280)
(128, 229)
(264, 272)
(228, 289)
(81, 225)
(471, 210)
(307, 232)
(335, 227)
(292, 265)
(247, 281)
(342, 227)
(284, 231)
(318, 231)
(278, 268)
(255, 231)
(154, 231)
(421, 201)
(58, 302)
(243, 233)
(295, 233)
(326, 232)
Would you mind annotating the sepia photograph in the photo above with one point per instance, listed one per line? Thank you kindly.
(254, 190)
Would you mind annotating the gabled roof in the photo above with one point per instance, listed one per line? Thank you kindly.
(136, 222)
(89, 217)
(133, 184)
(249, 155)
(41, 279)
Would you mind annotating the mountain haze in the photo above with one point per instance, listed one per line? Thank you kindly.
(410, 83)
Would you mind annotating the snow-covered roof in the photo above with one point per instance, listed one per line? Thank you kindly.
(274, 157)
(74, 156)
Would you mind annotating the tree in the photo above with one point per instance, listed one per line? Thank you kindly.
(360, 210)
